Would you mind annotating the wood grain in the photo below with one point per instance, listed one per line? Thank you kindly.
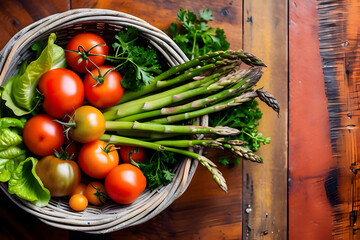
(17, 14)
(339, 41)
(265, 186)
(309, 154)
(160, 13)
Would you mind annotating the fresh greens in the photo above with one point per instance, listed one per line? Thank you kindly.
(11, 150)
(137, 63)
(194, 36)
(25, 183)
(245, 118)
(158, 169)
(19, 91)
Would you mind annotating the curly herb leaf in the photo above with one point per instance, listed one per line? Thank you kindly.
(158, 169)
(137, 63)
(194, 36)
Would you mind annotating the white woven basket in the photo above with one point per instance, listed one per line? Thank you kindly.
(111, 216)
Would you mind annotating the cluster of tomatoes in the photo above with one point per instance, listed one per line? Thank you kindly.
(66, 135)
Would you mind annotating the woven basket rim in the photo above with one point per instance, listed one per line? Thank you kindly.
(56, 214)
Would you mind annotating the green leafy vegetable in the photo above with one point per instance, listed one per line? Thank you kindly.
(25, 183)
(19, 91)
(158, 169)
(246, 118)
(137, 63)
(11, 152)
(38, 47)
(194, 36)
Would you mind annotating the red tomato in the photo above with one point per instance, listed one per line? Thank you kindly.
(42, 135)
(98, 158)
(63, 92)
(84, 49)
(88, 124)
(135, 153)
(125, 183)
(103, 92)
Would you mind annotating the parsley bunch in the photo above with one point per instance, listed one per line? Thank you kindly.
(244, 117)
(194, 36)
(137, 63)
(158, 169)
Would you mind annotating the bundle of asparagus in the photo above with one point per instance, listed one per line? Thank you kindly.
(204, 85)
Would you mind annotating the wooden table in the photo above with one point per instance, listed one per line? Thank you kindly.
(256, 205)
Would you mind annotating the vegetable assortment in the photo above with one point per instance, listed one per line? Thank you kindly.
(94, 124)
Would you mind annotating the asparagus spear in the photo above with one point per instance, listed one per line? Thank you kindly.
(244, 97)
(191, 129)
(233, 145)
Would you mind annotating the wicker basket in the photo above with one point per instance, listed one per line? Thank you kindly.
(111, 216)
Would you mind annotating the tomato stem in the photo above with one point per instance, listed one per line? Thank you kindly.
(100, 195)
(67, 126)
(109, 148)
(99, 78)
(63, 155)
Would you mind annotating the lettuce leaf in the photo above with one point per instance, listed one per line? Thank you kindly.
(11, 152)
(19, 91)
(25, 183)
(7, 122)
(8, 166)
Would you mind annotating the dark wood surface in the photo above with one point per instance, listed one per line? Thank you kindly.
(256, 211)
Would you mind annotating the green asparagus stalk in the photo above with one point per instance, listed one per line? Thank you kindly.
(191, 129)
(205, 89)
(232, 145)
(247, 81)
(244, 97)
(219, 143)
(217, 176)
(146, 135)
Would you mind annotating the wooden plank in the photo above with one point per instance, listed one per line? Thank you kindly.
(265, 186)
(309, 154)
(324, 198)
(339, 41)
